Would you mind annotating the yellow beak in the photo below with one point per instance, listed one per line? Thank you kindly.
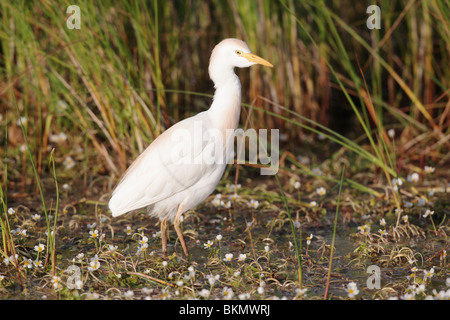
(254, 58)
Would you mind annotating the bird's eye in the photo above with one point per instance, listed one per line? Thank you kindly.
(238, 52)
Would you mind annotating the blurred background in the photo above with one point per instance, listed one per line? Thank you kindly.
(100, 94)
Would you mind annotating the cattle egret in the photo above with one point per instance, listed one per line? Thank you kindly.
(183, 166)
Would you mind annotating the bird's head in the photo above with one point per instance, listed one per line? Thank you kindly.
(231, 53)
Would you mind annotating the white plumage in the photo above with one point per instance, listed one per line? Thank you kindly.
(183, 166)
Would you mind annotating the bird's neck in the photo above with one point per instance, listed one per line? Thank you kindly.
(226, 106)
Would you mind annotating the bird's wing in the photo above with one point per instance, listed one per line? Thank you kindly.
(172, 163)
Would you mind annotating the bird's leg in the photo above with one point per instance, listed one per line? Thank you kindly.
(164, 236)
(176, 224)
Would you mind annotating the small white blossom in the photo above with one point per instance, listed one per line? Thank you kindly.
(391, 133)
(321, 191)
(69, 163)
(429, 169)
(39, 248)
(352, 289)
(227, 293)
(427, 213)
(228, 257)
(253, 204)
(242, 257)
(414, 177)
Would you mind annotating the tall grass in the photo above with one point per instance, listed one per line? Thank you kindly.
(135, 68)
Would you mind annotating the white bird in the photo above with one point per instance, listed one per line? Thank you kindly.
(183, 166)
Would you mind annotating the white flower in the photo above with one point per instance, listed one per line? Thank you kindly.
(382, 232)
(146, 290)
(429, 273)
(352, 289)
(219, 237)
(156, 234)
(143, 240)
(11, 259)
(297, 185)
(427, 213)
(58, 138)
(321, 191)
(78, 284)
(233, 196)
(204, 293)
(38, 264)
(212, 279)
(28, 263)
(92, 295)
(94, 259)
(308, 239)
(80, 256)
(56, 279)
(414, 177)
(143, 248)
(383, 222)
(419, 289)
(91, 226)
(94, 233)
(226, 204)
(297, 224)
(22, 120)
(407, 296)
(254, 204)
(313, 204)
(227, 293)
(408, 204)
(391, 133)
(304, 159)
(244, 296)
(129, 294)
(69, 163)
(94, 265)
(396, 182)
(405, 218)
(39, 248)
(260, 290)
(429, 169)
(216, 202)
(300, 292)
(228, 257)
(242, 257)
(421, 202)
(208, 244)
(11, 211)
(35, 217)
(61, 105)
